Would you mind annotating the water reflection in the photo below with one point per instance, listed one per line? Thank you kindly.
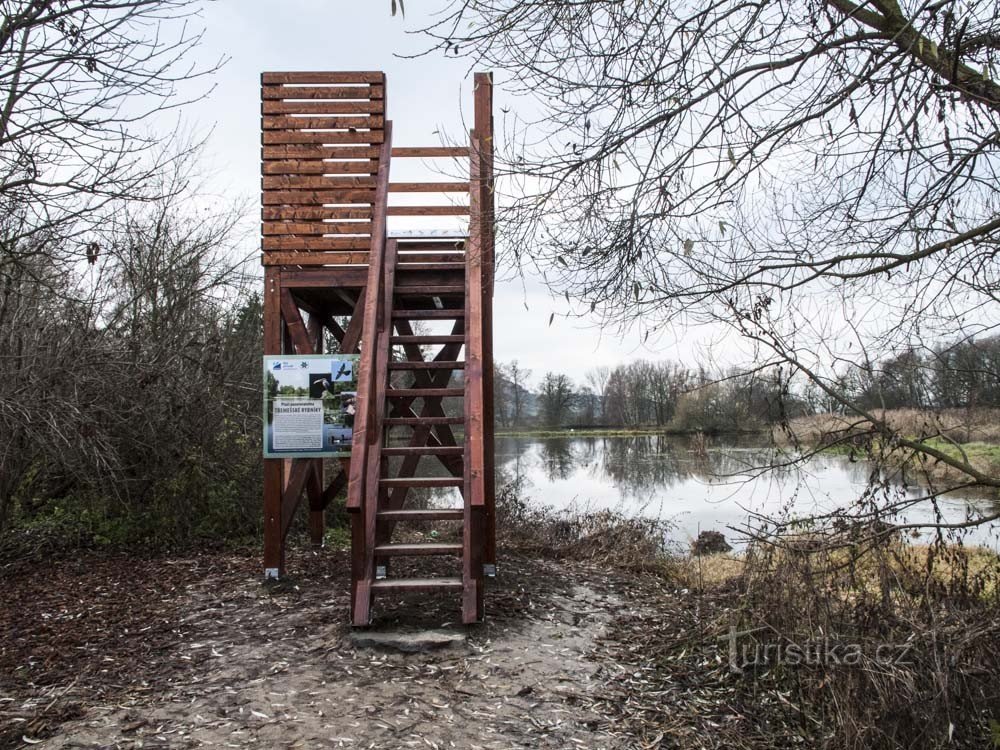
(699, 487)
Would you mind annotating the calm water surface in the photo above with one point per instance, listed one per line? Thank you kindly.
(715, 488)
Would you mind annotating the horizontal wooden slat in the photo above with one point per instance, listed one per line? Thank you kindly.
(417, 584)
(279, 122)
(428, 211)
(424, 450)
(314, 213)
(421, 514)
(425, 291)
(315, 259)
(317, 197)
(287, 182)
(422, 482)
(318, 152)
(269, 92)
(424, 392)
(430, 258)
(418, 549)
(431, 151)
(427, 365)
(418, 421)
(318, 166)
(316, 227)
(374, 106)
(278, 137)
(428, 187)
(316, 243)
(426, 339)
(321, 77)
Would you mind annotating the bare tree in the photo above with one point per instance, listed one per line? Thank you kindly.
(818, 175)
(80, 80)
(556, 399)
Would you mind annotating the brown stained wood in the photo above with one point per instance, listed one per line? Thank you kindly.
(431, 514)
(274, 547)
(321, 182)
(322, 77)
(324, 278)
(319, 166)
(337, 484)
(422, 421)
(427, 366)
(317, 197)
(352, 335)
(407, 550)
(272, 92)
(455, 152)
(422, 482)
(427, 314)
(475, 459)
(418, 584)
(434, 267)
(334, 213)
(455, 257)
(356, 488)
(376, 434)
(315, 243)
(429, 290)
(308, 122)
(319, 137)
(375, 106)
(428, 187)
(317, 227)
(293, 321)
(428, 210)
(424, 450)
(314, 259)
(414, 393)
(268, 153)
(298, 477)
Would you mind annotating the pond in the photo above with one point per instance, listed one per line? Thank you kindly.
(701, 487)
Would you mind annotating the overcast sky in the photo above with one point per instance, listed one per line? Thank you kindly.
(427, 98)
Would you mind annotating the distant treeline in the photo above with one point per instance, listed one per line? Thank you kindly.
(667, 395)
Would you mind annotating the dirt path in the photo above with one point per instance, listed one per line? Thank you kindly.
(197, 653)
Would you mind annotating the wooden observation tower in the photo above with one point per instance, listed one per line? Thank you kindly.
(416, 306)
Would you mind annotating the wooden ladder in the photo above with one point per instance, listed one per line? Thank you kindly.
(424, 281)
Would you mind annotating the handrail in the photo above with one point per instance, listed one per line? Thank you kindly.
(366, 379)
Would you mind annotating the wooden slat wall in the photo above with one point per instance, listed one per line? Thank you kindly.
(322, 136)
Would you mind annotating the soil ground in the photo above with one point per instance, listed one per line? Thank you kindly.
(197, 652)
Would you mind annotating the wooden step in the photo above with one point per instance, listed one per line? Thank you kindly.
(425, 450)
(430, 289)
(416, 584)
(418, 421)
(415, 550)
(427, 340)
(437, 514)
(424, 392)
(427, 314)
(434, 365)
(421, 482)
(431, 266)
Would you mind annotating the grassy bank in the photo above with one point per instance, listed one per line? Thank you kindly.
(972, 435)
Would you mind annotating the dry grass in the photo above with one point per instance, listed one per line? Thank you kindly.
(959, 425)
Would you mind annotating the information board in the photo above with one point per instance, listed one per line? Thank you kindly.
(310, 403)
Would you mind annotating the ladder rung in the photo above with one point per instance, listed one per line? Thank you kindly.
(418, 421)
(431, 290)
(427, 314)
(434, 514)
(422, 482)
(425, 450)
(432, 267)
(416, 584)
(446, 365)
(413, 550)
(424, 392)
(427, 340)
